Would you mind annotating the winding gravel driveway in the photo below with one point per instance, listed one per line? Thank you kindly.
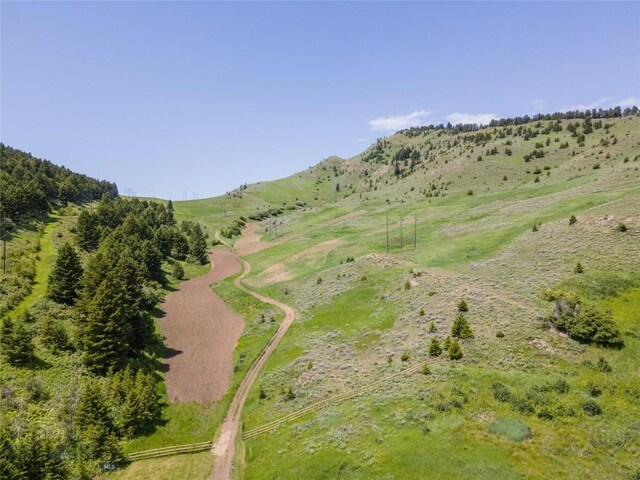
(224, 448)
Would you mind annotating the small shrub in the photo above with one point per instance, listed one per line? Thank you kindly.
(319, 281)
(522, 405)
(404, 357)
(545, 414)
(499, 335)
(425, 370)
(462, 306)
(178, 271)
(561, 386)
(534, 228)
(593, 389)
(407, 285)
(621, 227)
(501, 392)
(469, 192)
(290, 395)
(421, 313)
(603, 365)
(515, 430)
(573, 220)
(591, 408)
(432, 328)
(578, 268)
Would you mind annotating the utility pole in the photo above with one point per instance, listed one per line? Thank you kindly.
(4, 245)
(387, 232)
(401, 234)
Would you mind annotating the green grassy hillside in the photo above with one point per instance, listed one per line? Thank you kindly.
(494, 231)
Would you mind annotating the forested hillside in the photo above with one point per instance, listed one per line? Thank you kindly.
(80, 369)
(31, 186)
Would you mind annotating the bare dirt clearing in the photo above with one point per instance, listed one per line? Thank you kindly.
(249, 242)
(279, 272)
(201, 333)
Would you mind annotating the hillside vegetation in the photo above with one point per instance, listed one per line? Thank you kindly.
(501, 217)
(505, 258)
(80, 360)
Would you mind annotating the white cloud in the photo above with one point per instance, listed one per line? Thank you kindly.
(539, 104)
(362, 140)
(399, 122)
(605, 102)
(629, 102)
(477, 118)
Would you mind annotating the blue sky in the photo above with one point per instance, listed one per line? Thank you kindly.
(194, 97)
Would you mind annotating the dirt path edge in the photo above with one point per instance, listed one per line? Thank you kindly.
(223, 448)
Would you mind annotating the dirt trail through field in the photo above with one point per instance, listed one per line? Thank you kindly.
(250, 241)
(224, 447)
(201, 333)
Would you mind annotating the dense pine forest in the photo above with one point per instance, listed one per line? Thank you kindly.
(79, 368)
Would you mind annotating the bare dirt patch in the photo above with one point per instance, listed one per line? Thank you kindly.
(200, 333)
(249, 242)
(279, 272)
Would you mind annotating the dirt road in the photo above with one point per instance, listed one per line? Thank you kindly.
(201, 333)
(224, 448)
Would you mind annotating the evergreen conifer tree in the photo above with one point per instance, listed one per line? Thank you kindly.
(461, 328)
(64, 281)
(16, 344)
(197, 244)
(455, 352)
(434, 348)
(106, 331)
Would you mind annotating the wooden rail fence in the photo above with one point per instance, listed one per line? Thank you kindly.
(168, 451)
(254, 432)
(322, 403)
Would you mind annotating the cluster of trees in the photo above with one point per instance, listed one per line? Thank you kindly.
(459, 330)
(235, 229)
(93, 419)
(614, 112)
(405, 161)
(270, 212)
(106, 288)
(128, 240)
(583, 323)
(30, 186)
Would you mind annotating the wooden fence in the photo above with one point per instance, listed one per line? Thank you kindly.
(254, 432)
(168, 451)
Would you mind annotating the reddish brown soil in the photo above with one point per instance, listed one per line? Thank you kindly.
(201, 333)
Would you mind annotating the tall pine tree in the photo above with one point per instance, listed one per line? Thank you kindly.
(64, 281)
(106, 331)
(197, 244)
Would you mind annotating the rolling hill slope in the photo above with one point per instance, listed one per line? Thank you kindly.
(526, 400)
